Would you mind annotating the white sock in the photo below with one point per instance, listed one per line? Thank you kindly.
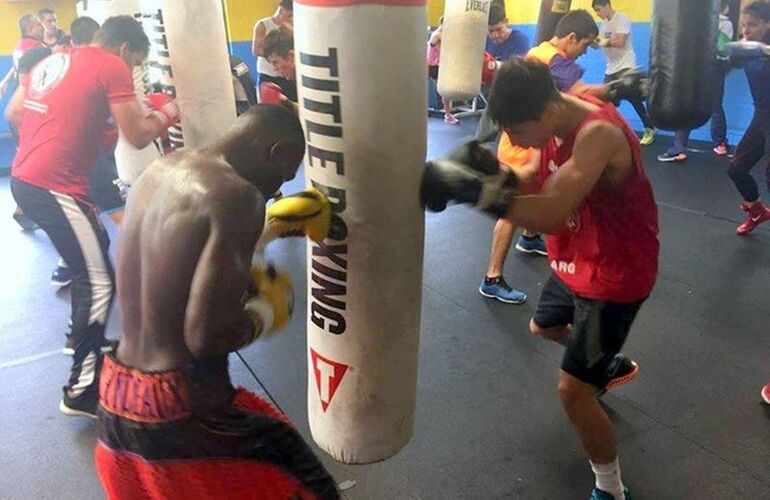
(608, 478)
(62, 263)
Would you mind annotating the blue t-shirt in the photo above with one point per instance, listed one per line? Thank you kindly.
(517, 44)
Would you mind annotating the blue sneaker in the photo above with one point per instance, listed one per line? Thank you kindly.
(531, 245)
(61, 276)
(498, 289)
(598, 494)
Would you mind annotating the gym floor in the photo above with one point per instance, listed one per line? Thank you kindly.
(489, 423)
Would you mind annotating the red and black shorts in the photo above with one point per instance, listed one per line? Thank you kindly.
(152, 444)
(599, 329)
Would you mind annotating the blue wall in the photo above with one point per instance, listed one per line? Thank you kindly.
(5, 65)
(737, 102)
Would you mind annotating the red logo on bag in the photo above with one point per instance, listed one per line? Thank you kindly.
(328, 375)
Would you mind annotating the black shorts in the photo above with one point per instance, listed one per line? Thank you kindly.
(599, 329)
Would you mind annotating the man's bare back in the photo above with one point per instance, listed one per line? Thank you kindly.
(190, 215)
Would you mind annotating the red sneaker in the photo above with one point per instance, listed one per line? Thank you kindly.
(766, 393)
(758, 214)
(721, 149)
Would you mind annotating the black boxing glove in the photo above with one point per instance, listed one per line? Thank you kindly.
(445, 181)
(477, 157)
(632, 84)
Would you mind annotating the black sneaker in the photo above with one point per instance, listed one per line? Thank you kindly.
(69, 346)
(61, 277)
(25, 222)
(83, 405)
(622, 370)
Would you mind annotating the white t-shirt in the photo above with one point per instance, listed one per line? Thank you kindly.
(263, 65)
(618, 58)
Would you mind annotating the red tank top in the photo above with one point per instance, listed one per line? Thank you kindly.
(608, 248)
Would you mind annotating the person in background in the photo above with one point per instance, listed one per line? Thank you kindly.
(503, 44)
(53, 35)
(678, 150)
(615, 39)
(434, 57)
(279, 51)
(755, 143)
(283, 16)
(31, 38)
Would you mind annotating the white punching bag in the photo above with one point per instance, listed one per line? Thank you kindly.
(190, 58)
(463, 39)
(362, 99)
(130, 161)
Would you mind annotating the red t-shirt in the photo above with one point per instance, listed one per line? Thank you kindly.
(608, 248)
(25, 44)
(66, 107)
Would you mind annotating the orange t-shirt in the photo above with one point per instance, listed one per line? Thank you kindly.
(510, 154)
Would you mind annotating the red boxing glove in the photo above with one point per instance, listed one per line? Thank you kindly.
(491, 65)
(270, 93)
(110, 138)
(163, 107)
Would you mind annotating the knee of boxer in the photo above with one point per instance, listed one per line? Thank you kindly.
(573, 391)
(556, 333)
(735, 171)
(534, 328)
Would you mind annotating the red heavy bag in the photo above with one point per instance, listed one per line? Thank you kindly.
(682, 54)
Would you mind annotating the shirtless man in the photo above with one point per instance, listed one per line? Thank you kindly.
(169, 418)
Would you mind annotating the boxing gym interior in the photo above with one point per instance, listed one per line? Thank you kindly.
(479, 414)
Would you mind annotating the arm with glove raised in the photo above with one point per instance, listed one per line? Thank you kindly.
(470, 175)
(307, 213)
(143, 124)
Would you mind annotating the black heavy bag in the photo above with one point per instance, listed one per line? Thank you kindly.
(682, 55)
(551, 11)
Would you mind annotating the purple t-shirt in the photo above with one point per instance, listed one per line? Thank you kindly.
(565, 72)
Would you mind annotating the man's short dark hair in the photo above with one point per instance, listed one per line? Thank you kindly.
(579, 22)
(759, 9)
(496, 14)
(279, 42)
(287, 4)
(83, 30)
(599, 3)
(521, 91)
(25, 23)
(123, 29)
(44, 11)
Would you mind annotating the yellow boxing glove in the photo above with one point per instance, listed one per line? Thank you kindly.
(269, 300)
(307, 213)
